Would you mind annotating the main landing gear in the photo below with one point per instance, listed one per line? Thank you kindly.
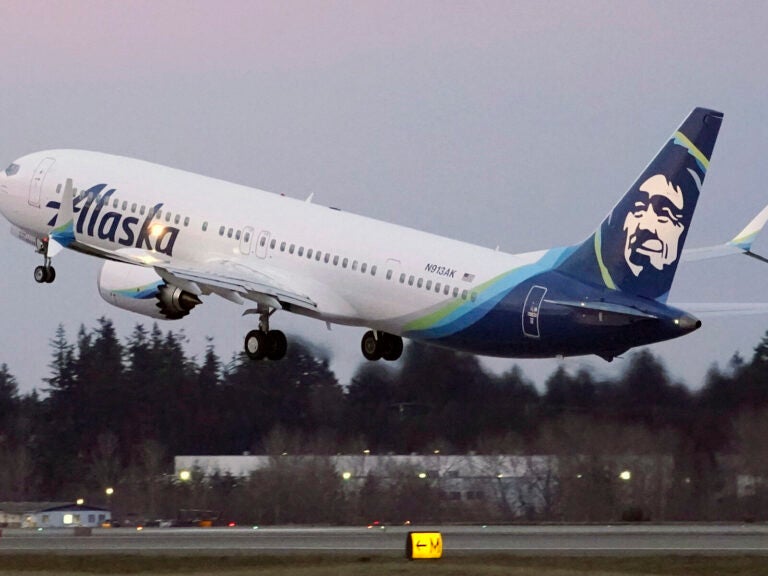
(46, 273)
(265, 343)
(381, 345)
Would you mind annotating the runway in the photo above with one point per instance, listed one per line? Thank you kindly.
(624, 540)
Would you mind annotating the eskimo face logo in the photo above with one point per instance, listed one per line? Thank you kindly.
(115, 226)
(653, 225)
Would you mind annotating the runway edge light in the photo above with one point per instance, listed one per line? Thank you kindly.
(424, 545)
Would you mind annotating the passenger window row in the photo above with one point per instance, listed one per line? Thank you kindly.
(141, 210)
(336, 260)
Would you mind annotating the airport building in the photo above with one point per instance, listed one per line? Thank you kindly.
(67, 516)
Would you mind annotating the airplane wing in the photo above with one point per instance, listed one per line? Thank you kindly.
(236, 282)
(740, 244)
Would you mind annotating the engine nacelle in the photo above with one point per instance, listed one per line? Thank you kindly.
(139, 289)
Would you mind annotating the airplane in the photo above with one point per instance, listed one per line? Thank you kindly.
(169, 238)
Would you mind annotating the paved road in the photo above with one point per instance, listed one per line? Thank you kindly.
(459, 540)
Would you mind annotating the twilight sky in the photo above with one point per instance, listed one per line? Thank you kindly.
(516, 124)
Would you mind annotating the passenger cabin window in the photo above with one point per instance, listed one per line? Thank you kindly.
(272, 244)
(309, 254)
(125, 205)
(177, 219)
(142, 210)
(437, 287)
(133, 207)
(419, 283)
(237, 235)
(363, 267)
(291, 249)
(455, 292)
(447, 290)
(229, 232)
(410, 280)
(205, 225)
(301, 250)
(429, 285)
(263, 239)
(344, 262)
(354, 264)
(327, 257)
(186, 219)
(168, 217)
(335, 260)
(115, 203)
(221, 231)
(373, 270)
(463, 294)
(282, 247)
(389, 274)
(402, 278)
(318, 255)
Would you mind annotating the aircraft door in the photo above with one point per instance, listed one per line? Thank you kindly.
(262, 244)
(531, 311)
(245, 240)
(38, 177)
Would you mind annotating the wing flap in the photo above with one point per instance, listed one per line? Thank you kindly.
(232, 281)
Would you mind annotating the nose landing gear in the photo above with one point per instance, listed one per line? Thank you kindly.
(46, 273)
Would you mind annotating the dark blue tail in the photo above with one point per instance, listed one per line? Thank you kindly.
(637, 247)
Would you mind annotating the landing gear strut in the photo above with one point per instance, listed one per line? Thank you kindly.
(265, 343)
(377, 345)
(46, 273)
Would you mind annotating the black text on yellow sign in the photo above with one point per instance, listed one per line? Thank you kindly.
(423, 545)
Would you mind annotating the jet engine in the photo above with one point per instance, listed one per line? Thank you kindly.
(140, 289)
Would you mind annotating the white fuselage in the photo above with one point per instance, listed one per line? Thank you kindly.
(356, 280)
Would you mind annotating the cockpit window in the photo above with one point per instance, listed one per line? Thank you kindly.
(12, 169)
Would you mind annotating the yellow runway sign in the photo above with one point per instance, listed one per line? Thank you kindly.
(423, 545)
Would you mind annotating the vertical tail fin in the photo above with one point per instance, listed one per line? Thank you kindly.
(637, 247)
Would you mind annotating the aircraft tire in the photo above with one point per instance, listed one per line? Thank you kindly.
(50, 275)
(391, 347)
(40, 274)
(256, 345)
(370, 346)
(277, 345)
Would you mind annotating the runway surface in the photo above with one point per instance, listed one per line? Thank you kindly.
(621, 540)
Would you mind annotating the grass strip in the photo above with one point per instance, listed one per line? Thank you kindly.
(328, 565)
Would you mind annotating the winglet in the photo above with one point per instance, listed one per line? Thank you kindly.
(746, 237)
(64, 233)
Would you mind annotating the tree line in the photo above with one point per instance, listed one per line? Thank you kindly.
(114, 413)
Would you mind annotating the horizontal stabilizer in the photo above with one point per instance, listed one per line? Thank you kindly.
(719, 309)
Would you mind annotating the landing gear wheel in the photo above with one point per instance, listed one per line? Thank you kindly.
(277, 345)
(256, 345)
(40, 274)
(370, 346)
(391, 347)
(45, 274)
